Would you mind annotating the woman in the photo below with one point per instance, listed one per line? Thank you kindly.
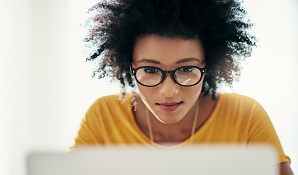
(177, 53)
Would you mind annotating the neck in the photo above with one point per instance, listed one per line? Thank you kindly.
(178, 132)
(166, 133)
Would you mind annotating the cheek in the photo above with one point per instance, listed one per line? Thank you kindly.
(146, 93)
(192, 93)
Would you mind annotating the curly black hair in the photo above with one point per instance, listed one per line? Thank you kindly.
(220, 25)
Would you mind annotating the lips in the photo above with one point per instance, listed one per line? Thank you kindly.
(168, 107)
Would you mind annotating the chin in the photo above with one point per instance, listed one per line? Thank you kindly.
(168, 119)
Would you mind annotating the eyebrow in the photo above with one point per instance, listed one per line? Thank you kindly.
(145, 60)
(184, 60)
(187, 60)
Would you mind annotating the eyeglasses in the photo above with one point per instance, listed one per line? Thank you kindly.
(186, 76)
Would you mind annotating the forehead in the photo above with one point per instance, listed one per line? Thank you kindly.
(166, 50)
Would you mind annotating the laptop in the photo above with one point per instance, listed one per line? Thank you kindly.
(138, 160)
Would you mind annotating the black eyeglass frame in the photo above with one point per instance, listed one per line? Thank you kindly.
(171, 72)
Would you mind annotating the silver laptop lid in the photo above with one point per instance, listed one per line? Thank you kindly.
(138, 160)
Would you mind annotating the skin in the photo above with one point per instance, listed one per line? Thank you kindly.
(285, 169)
(168, 54)
(153, 50)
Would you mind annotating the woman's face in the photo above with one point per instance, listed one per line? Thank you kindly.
(169, 102)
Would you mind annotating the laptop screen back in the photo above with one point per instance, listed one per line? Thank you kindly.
(201, 159)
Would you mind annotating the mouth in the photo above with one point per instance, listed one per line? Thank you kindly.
(169, 107)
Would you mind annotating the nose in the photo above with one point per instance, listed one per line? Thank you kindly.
(168, 87)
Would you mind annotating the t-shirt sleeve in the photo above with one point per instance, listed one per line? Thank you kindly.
(262, 131)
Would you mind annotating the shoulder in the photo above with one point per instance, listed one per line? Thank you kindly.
(224, 102)
(236, 99)
(234, 96)
(233, 103)
(110, 104)
(113, 99)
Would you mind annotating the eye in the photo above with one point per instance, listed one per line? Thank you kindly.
(151, 70)
(185, 69)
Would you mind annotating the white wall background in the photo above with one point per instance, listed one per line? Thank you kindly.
(34, 79)
(45, 86)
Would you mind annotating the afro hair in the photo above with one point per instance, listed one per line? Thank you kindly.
(220, 25)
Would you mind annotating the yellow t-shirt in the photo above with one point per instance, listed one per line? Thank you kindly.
(236, 119)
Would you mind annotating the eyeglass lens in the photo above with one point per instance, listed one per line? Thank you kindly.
(185, 76)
